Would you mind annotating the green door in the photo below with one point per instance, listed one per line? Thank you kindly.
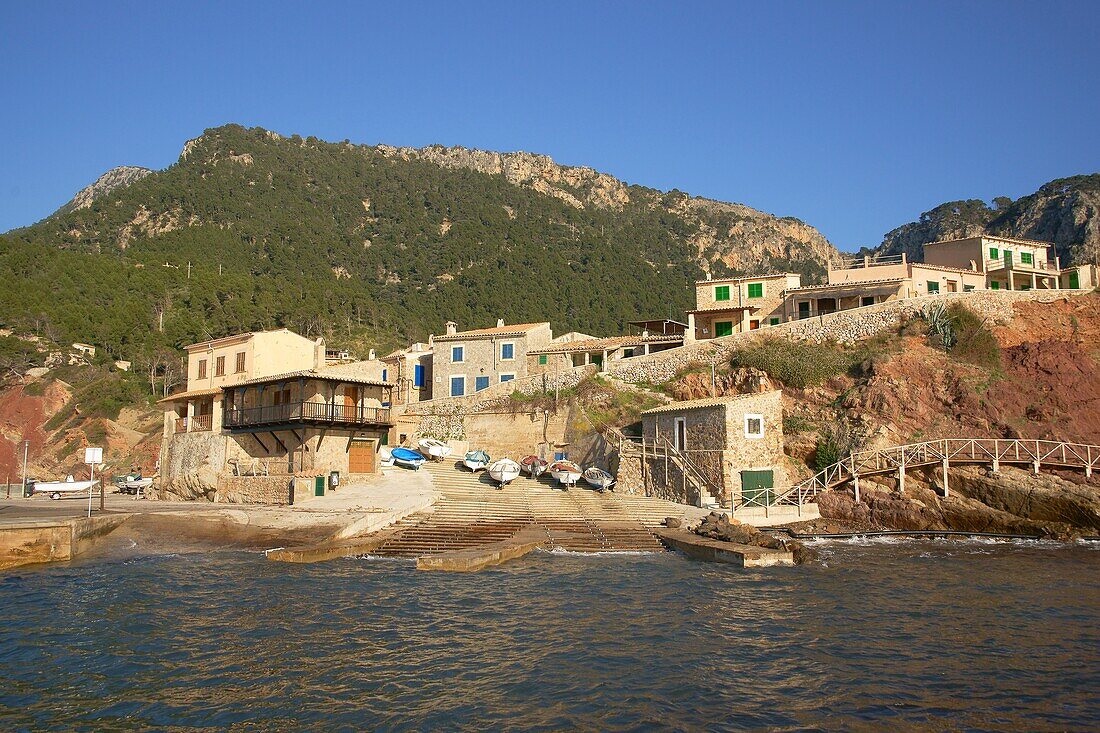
(319, 486)
(723, 328)
(756, 488)
(1074, 280)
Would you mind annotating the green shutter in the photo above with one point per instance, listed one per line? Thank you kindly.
(756, 290)
(723, 328)
(542, 359)
(933, 286)
(994, 254)
(722, 292)
(1025, 257)
(773, 321)
(994, 285)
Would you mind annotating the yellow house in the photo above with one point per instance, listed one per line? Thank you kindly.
(732, 305)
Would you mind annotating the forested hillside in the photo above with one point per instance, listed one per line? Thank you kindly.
(371, 246)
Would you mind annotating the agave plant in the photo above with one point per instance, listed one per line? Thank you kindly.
(940, 324)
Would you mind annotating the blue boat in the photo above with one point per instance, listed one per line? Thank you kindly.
(407, 458)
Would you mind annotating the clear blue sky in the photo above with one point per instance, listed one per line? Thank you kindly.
(853, 116)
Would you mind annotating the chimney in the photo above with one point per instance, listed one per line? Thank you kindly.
(500, 322)
(370, 355)
(708, 276)
(431, 340)
(452, 328)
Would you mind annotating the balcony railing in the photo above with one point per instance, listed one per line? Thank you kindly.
(316, 413)
(194, 424)
(1015, 264)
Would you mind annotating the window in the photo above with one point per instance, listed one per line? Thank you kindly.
(418, 375)
(994, 254)
(773, 321)
(507, 351)
(723, 328)
(803, 309)
(458, 354)
(202, 368)
(1026, 258)
(458, 386)
(240, 362)
(933, 287)
(722, 292)
(994, 285)
(754, 324)
(627, 353)
(219, 366)
(967, 288)
(543, 358)
(1008, 257)
(756, 290)
(507, 377)
(867, 300)
(481, 383)
(754, 426)
(679, 435)
(385, 375)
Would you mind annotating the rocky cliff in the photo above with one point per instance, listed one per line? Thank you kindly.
(110, 181)
(1065, 211)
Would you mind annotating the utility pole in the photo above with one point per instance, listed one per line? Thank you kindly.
(26, 448)
(188, 269)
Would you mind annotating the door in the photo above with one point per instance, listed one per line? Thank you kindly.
(1075, 280)
(361, 456)
(351, 401)
(756, 487)
(803, 309)
(681, 434)
(723, 328)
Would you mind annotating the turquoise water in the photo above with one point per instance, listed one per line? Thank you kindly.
(878, 636)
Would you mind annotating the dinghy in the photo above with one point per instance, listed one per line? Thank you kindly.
(385, 457)
(598, 478)
(408, 458)
(437, 449)
(534, 466)
(565, 473)
(476, 460)
(504, 471)
(56, 488)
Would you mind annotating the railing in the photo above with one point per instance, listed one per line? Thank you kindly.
(306, 412)
(181, 425)
(201, 422)
(1016, 264)
(855, 263)
(646, 448)
(995, 451)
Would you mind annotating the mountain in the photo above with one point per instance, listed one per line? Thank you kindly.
(372, 246)
(113, 179)
(1065, 211)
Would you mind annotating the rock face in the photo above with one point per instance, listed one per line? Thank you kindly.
(113, 179)
(1065, 211)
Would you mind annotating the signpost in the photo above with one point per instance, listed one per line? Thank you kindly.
(93, 457)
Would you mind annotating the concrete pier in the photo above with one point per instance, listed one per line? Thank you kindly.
(477, 558)
(53, 540)
(704, 548)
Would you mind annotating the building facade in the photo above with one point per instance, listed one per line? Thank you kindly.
(410, 370)
(465, 362)
(734, 305)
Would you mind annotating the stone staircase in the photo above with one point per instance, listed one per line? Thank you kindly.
(472, 511)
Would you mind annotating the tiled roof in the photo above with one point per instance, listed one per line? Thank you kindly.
(1017, 240)
(613, 342)
(238, 337)
(720, 309)
(853, 284)
(705, 402)
(516, 329)
(769, 276)
(189, 394)
(325, 374)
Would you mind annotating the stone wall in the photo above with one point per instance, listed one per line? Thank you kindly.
(254, 490)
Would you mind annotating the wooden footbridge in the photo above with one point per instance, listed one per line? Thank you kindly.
(944, 453)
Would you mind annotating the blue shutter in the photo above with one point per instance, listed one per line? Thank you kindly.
(458, 386)
(481, 383)
(418, 375)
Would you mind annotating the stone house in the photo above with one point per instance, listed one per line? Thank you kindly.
(410, 370)
(736, 442)
(737, 304)
(561, 356)
(268, 404)
(465, 362)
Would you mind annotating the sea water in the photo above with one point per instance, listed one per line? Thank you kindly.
(877, 635)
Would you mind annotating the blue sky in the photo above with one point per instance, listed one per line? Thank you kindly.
(853, 116)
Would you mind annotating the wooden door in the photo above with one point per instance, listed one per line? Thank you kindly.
(361, 456)
(351, 401)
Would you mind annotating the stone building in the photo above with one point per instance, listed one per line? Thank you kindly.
(736, 442)
(465, 362)
(559, 356)
(410, 370)
(738, 304)
(267, 404)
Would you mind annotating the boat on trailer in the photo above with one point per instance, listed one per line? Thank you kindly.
(436, 449)
(534, 466)
(598, 478)
(565, 472)
(57, 489)
(504, 471)
(476, 460)
(408, 458)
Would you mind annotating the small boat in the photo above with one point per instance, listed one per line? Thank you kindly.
(437, 449)
(534, 466)
(385, 457)
(504, 471)
(476, 460)
(565, 473)
(598, 478)
(135, 485)
(407, 457)
(57, 488)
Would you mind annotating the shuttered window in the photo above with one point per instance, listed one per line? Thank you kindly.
(202, 368)
(723, 328)
(722, 292)
(756, 290)
(219, 366)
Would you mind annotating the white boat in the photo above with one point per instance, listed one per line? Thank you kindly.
(534, 466)
(385, 457)
(476, 460)
(565, 473)
(437, 449)
(598, 478)
(504, 471)
(56, 489)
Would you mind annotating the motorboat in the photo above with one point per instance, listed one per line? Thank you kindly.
(436, 449)
(476, 460)
(598, 478)
(385, 457)
(57, 489)
(565, 472)
(134, 484)
(504, 471)
(407, 457)
(534, 466)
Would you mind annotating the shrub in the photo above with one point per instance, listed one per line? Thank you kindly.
(836, 441)
(795, 364)
(974, 342)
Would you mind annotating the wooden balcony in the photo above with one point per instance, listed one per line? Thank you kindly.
(306, 413)
(194, 424)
